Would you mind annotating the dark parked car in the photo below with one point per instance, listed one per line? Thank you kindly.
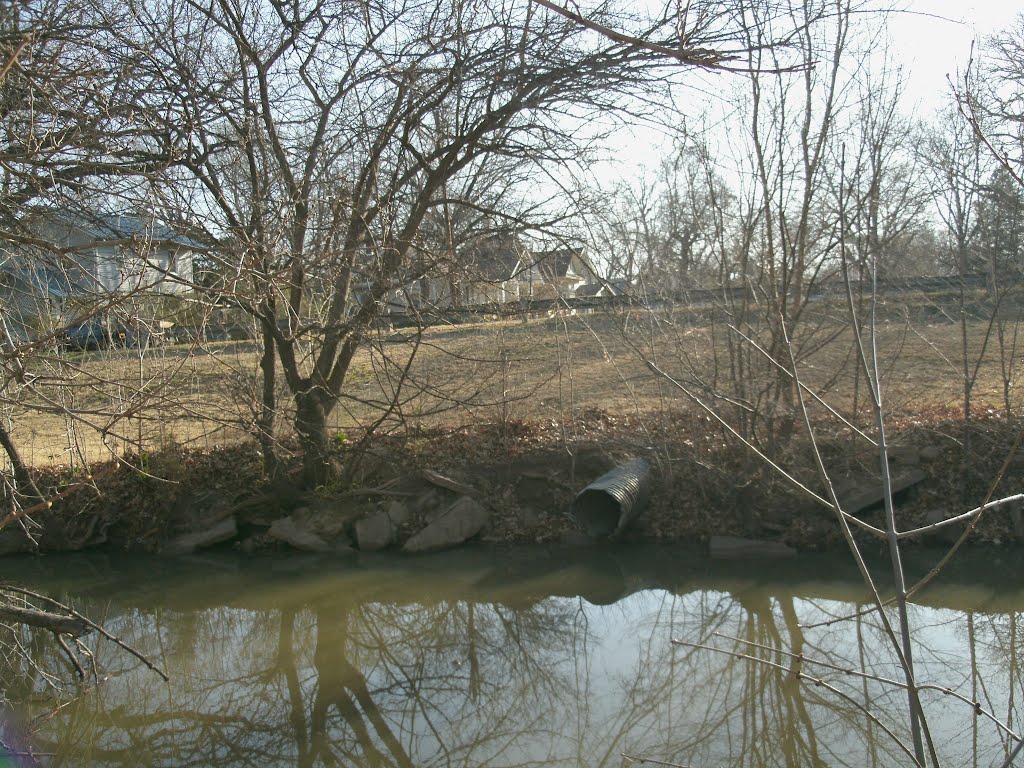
(86, 336)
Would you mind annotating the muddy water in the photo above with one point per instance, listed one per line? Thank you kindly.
(540, 658)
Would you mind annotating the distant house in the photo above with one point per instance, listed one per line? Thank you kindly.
(481, 273)
(116, 254)
(489, 272)
(559, 273)
(29, 297)
(81, 259)
(91, 255)
(495, 271)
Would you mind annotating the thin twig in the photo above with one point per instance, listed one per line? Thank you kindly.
(797, 380)
(977, 511)
(975, 705)
(869, 365)
(89, 480)
(649, 761)
(1013, 755)
(864, 710)
(970, 527)
(70, 654)
(795, 671)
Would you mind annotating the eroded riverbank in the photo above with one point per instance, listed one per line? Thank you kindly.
(523, 477)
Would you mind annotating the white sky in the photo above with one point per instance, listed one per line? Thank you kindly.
(935, 39)
(931, 40)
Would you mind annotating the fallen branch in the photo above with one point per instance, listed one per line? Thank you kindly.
(54, 622)
(91, 624)
(436, 478)
(383, 489)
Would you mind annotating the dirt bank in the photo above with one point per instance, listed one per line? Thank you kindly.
(521, 477)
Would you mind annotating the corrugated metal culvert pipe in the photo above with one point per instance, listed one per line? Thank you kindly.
(607, 505)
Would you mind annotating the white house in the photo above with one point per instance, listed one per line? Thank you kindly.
(115, 254)
(70, 262)
(559, 273)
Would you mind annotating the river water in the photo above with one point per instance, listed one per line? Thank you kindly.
(529, 658)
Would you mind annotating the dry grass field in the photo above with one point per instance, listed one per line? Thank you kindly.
(499, 373)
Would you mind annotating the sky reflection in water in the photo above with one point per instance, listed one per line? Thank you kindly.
(544, 658)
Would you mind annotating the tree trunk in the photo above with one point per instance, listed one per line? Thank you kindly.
(966, 372)
(311, 426)
(265, 420)
(22, 476)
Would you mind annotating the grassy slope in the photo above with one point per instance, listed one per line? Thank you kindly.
(499, 372)
(545, 392)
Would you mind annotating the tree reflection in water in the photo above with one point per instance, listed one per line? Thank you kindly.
(318, 677)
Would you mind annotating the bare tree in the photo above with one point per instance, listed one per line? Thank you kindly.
(822, 210)
(64, 126)
(989, 97)
(665, 233)
(317, 139)
(956, 167)
(886, 194)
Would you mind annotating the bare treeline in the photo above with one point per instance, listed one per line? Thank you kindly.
(312, 158)
(316, 159)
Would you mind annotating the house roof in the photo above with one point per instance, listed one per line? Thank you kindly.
(557, 263)
(494, 259)
(116, 226)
